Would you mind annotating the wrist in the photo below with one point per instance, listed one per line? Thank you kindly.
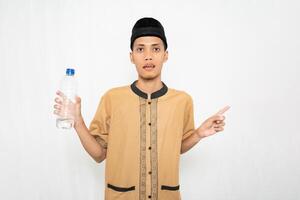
(78, 122)
(199, 133)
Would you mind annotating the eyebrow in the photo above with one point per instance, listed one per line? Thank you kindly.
(156, 44)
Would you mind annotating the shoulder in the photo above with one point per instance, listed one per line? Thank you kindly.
(115, 91)
(183, 95)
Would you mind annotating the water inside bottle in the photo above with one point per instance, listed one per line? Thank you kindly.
(66, 120)
(64, 123)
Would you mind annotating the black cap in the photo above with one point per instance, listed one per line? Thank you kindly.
(148, 26)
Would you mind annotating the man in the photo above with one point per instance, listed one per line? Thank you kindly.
(141, 129)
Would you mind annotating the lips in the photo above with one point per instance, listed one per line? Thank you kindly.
(148, 66)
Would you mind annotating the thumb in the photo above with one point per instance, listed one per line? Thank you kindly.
(77, 99)
(217, 117)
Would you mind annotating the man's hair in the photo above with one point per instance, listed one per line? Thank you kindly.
(148, 26)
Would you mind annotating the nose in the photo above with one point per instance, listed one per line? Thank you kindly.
(148, 55)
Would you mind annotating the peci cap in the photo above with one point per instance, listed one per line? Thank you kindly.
(148, 26)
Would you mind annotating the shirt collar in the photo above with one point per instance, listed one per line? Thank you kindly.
(144, 95)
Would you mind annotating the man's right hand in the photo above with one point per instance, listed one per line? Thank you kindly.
(74, 107)
(88, 141)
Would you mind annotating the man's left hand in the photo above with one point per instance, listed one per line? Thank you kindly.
(213, 124)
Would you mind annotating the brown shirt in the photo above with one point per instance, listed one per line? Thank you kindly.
(143, 139)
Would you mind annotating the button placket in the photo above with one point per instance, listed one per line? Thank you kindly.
(148, 124)
(153, 152)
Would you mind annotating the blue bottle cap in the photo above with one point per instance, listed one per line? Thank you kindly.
(70, 72)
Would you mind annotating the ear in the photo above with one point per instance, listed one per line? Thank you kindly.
(166, 56)
(131, 57)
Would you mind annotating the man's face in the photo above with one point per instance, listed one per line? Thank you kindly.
(148, 55)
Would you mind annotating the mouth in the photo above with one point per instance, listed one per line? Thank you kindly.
(148, 67)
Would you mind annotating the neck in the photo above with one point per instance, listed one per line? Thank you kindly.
(149, 86)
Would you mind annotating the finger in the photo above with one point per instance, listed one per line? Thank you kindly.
(219, 129)
(60, 93)
(220, 124)
(56, 112)
(223, 110)
(78, 99)
(56, 106)
(58, 100)
(217, 118)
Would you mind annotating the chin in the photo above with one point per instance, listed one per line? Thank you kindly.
(149, 77)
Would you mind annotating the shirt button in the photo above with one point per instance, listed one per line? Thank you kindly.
(149, 148)
(149, 196)
(150, 172)
(149, 124)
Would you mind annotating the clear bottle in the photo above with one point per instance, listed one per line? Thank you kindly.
(68, 86)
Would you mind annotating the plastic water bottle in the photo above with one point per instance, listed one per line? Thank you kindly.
(68, 86)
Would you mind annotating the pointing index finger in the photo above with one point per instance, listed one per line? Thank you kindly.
(223, 110)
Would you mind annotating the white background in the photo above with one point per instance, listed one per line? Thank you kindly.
(239, 53)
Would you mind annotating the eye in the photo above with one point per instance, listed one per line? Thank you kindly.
(139, 49)
(156, 49)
